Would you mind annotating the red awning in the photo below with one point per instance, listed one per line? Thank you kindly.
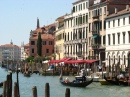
(79, 61)
(90, 61)
(58, 61)
(74, 61)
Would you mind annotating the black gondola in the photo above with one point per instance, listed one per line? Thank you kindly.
(27, 74)
(1, 84)
(112, 81)
(75, 83)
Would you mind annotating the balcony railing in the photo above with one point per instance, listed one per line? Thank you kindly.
(95, 31)
(95, 46)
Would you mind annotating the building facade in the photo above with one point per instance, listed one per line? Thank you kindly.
(10, 52)
(59, 38)
(24, 51)
(98, 11)
(118, 38)
(47, 36)
(76, 26)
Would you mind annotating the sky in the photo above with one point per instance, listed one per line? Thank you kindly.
(19, 17)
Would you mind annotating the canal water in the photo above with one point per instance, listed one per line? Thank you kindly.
(58, 90)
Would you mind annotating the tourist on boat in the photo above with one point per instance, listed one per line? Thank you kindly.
(83, 74)
(66, 80)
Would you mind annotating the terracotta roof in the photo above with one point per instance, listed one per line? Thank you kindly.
(118, 2)
(61, 17)
(44, 36)
(9, 45)
(46, 28)
(119, 13)
(26, 44)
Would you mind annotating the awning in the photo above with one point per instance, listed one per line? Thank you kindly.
(94, 36)
(74, 61)
(90, 61)
(58, 61)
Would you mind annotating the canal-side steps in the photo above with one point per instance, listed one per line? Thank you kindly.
(8, 84)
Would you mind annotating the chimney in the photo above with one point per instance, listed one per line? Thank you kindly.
(115, 10)
(127, 7)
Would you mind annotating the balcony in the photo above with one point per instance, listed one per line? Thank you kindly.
(96, 16)
(96, 31)
(95, 46)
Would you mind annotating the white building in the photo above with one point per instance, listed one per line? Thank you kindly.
(10, 52)
(76, 26)
(118, 38)
(24, 51)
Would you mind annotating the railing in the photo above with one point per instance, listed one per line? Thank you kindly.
(95, 31)
(95, 46)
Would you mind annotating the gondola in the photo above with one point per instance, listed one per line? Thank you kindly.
(112, 81)
(27, 74)
(75, 83)
(1, 84)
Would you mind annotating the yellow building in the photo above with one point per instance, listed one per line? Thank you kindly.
(59, 35)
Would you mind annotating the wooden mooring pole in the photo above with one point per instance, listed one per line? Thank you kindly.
(47, 90)
(34, 89)
(4, 89)
(15, 89)
(67, 93)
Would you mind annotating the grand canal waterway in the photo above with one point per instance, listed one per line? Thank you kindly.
(58, 90)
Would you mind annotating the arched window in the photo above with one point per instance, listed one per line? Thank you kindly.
(124, 60)
(114, 60)
(119, 60)
(129, 60)
(109, 63)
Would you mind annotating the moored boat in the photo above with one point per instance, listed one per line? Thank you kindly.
(111, 80)
(104, 82)
(78, 82)
(27, 74)
(1, 84)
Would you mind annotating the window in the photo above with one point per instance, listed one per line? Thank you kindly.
(124, 60)
(118, 22)
(109, 39)
(47, 50)
(83, 5)
(89, 27)
(86, 4)
(32, 42)
(113, 39)
(108, 24)
(89, 40)
(123, 37)
(44, 42)
(123, 21)
(89, 15)
(129, 36)
(104, 39)
(118, 34)
(50, 42)
(104, 10)
(100, 11)
(113, 23)
(129, 19)
(32, 50)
